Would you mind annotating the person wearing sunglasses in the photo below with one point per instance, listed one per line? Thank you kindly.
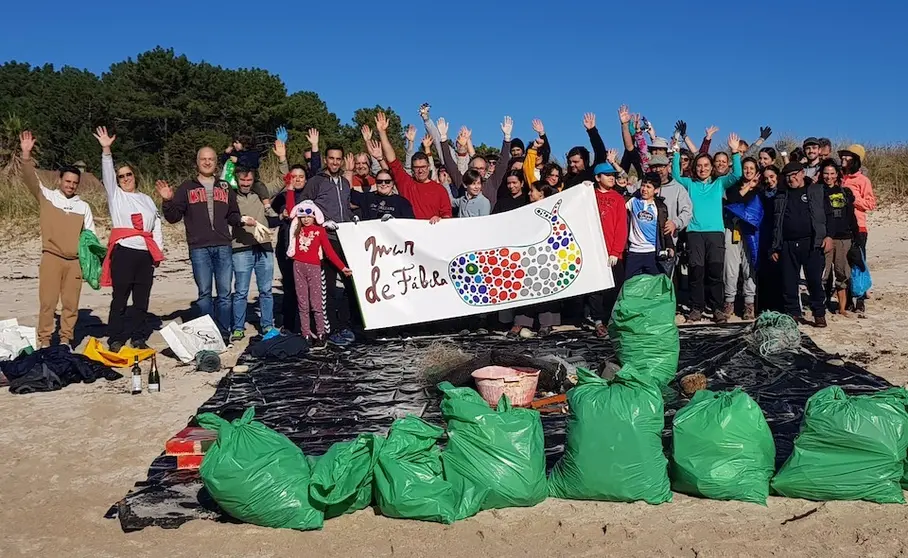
(134, 249)
(381, 203)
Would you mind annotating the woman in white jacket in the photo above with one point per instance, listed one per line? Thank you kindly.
(135, 248)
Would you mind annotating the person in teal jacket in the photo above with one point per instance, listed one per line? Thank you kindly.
(706, 231)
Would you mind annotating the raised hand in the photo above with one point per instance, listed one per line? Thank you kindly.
(281, 134)
(424, 111)
(374, 148)
(349, 162)
(27, 143)
(612, 157)
(681, 127)
(104, 138)
(733, 141)
(589, 121)
(366, 131)
(443, 129)
(381, 122)
(624, 114)
(537, 144)
(427, 143)
(280, 149)
(411, 133)
(507, 127)
(711, 131)
(538, 127)
(466, 133)
(765, 133)
(637, 123)
(312, 137)
(164, 189)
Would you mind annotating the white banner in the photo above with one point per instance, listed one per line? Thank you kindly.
(408, 271)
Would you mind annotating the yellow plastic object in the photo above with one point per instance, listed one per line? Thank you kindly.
(123, 359)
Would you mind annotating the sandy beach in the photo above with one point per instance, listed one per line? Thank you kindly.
(67, 456)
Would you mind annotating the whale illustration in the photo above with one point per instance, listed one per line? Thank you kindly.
(495, 276)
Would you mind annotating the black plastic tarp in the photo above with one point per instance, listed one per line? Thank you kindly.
(322, 399)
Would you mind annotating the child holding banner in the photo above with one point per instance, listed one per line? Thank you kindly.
(308, 243)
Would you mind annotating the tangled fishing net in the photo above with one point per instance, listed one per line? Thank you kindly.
(775, 333)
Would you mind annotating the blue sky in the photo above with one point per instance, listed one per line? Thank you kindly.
(836, 68)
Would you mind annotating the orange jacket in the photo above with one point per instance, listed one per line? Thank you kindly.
(864, 200)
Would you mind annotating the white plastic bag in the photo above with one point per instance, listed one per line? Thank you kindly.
(200, 334)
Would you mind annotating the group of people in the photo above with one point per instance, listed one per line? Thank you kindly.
(745, 223)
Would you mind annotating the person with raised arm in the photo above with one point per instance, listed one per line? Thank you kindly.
(706, 231)
(207, 206)
(134, 250)
(479, 163)
(428, 198)
(62, 218)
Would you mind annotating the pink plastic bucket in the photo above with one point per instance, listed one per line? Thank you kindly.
(519, 384)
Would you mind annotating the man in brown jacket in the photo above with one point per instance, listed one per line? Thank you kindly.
(63, 216)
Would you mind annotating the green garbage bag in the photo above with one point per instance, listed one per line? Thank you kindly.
(643, 331)
(341, 480)
(91, 258)
(258, 475)
(614, 442)
(722, 448)
(227, 173)
(496, 457)
(849, 448)
(408, 479)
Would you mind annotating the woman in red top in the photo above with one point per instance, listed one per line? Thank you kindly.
(308, 243)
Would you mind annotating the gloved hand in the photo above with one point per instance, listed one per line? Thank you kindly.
(330, 225)
(612, 261)
(387, 217)
(765, 133)
(281, 134)
(681, 127)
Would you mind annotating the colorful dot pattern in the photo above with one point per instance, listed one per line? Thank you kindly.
(515, 273)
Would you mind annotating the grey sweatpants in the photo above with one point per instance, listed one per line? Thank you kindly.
(737, 263)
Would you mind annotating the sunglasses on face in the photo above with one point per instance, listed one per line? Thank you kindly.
(382, 181)
(124, 175)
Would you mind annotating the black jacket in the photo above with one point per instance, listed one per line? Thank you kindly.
(816, 200)
(190, 203)
(374, 206)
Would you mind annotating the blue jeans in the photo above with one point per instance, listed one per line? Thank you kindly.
(216, 262)
(243, 265)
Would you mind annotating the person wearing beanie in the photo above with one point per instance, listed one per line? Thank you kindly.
(613, 218)
(706, 232)
(308, 245)
(864, 200)
(800, 242)
(648, 242)
(517, 147)
(676, 200)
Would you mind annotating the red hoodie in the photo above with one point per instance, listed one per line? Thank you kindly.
(613, 216)
(429, 199)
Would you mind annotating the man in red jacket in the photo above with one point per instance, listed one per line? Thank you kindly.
(429, 199)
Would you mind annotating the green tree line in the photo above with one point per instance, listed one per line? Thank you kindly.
(163, 107)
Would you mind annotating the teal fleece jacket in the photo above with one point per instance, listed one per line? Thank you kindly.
(706, 197)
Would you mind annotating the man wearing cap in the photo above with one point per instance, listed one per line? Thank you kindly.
(812, 152)
(493, 164)
(800, 241)
(680, 208)
(517, 148)
(864, 200)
